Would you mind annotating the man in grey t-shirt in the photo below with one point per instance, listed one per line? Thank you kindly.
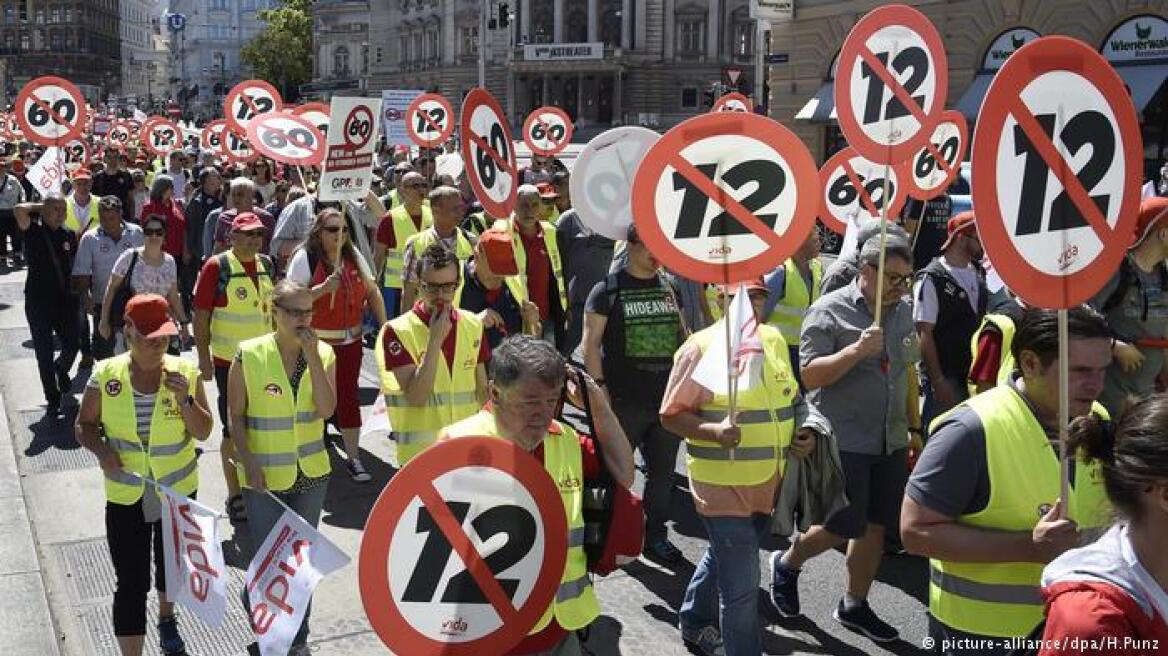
(11, 195)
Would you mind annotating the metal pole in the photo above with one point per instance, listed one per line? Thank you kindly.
(761, 26)
(483, 44)
(511, 91)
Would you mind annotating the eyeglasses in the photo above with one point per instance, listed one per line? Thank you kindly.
(296, 313)
(898, 280)
(438, 287)
(155, 232)
(335, 229)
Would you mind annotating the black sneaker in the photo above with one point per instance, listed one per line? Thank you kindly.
(784, 587)
(662, 550)
(861, 619)
(169, 640)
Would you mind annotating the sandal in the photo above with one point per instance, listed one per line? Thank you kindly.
(236, 511)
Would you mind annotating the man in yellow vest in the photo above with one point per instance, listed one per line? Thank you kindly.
(110, 423)
(735, 469)
(793, 287)
(446, 212)
(80, 208)
(432, 359)
(541, 274)
(528, 378)
(983, 502)
(395, 229)
(233, 303)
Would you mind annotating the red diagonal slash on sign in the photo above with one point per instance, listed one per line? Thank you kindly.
(45, 106)
(858, 185)
(471, 558)
(482, 144)
(725, 200)
(941, 161)
(1058, 166)
(547, 131)
(893, 84)
(429, 121)
(255, 111)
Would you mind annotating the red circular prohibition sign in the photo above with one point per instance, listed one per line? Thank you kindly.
(416, 480)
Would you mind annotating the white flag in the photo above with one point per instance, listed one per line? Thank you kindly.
(48, 172)
(139, 115)
(744, 356)
(282, 577)
(195, 574)
(1148, 190)
(377, 424)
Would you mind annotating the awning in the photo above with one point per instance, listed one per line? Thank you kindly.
(970, 102)
(821, 107)
(1144, 80)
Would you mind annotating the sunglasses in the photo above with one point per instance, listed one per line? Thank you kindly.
(895, 280)
(154, 232)
(296, 312)
(332, 230)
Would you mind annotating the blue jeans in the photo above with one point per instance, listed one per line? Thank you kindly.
(724, 588)
(390, 295)
(262, 515)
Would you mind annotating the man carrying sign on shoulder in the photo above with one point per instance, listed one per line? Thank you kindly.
(527, 381)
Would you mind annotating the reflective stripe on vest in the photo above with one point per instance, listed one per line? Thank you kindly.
(575, 606)
(283, 428)
(72, 220)
(788, 313)
(248, 310)
(765, 415)
(169, 457)
(452, 397)
(1001, 599)
(403, 229)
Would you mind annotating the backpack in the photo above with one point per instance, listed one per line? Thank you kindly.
(264, 269)
(1128, 277)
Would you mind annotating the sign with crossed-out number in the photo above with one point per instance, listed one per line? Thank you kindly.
(547, 131)
(489, 153)
(50, 111)
(287, 139)
(247, 100)
(429, 120)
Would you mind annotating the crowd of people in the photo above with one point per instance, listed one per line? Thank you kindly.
(917, 413)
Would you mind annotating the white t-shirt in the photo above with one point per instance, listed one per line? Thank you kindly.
(146, 278)
(925, 305)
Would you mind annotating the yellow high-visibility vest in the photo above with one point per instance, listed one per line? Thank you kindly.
(463, 251)
(74, 222)
(518, 283)
(248, 312)
(167, 454)
(575, 606)
(453, 397)
(1005, 326)
(788, 313)
(403, 229)
(284, 431)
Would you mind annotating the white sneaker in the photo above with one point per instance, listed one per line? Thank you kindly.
(357, 471)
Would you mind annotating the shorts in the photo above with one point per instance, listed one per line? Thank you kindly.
(875, 488)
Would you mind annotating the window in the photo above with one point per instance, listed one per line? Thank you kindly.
(341, 61)
(689, 98)
(56, 43)
(419, 50)
(379, 54)
(610, 28)
(470, 41)
(24, 42)
(743, 39)
(689, 35)
(218, 4)
(577, 31)
(432, 44)
(403, 48)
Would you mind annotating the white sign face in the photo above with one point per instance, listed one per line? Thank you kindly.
(1143, 38)
(348, 164)
(76, 154)
(286, 139)
(495, 172)
(430, 122)
(1047, 228)
(881, 116)
(394, 103)
(776, 11)
(602, 179)
(849, 204)
(563, 51)
(1005, 45)
(163, 137)
(248, 100)
(928, 175)
(432, 587)
(50, 112)
(547, 131)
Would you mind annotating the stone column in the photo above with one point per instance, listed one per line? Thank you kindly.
(670, 32)
(593, 22)
(713, 28)
(626, 24)
(558, 21)
(449, 35)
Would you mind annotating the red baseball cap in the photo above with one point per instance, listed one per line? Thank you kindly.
(547, 190)
(150, 315)
(82, 174)
(962, 222)
(245, 221)
(500, 254)
(1152, 211)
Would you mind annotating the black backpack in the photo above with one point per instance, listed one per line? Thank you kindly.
(1128, 277)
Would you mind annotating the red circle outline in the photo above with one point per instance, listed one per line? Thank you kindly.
(720, 103)
(476, 98)
(232, 157)
(148, 143)
(307, 108)
(704, 126)
(229, 100)
(85, 159)
(872, 22)
(446, 131)
(75, 128)
(947, 116)
(1041, 56)
(349, 143)
(209, 129)
(899, 197)
(569, 129)
(253, 138)
(372, 560)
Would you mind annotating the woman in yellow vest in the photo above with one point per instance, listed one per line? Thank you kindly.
(280, 388)
(983, 502)
(528, 379)
(140, 415)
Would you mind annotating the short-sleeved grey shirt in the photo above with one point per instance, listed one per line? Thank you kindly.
(867, 405)
(97, 252)
(1143, 313)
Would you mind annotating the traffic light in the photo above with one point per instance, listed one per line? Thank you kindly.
(504, 14)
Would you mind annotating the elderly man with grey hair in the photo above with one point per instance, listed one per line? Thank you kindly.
(847, 265)
(537, 253)
(446, 208)
(846, 355)
(50, 303)
(241, 197)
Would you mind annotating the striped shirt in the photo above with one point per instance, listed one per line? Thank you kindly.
(143, 409)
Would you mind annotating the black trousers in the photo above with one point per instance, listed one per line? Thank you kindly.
(46, 318)
(130, 540)
(658, 447)
(8, 228)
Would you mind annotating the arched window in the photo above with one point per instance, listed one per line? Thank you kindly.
(610, 23)
(341, 61)
(542, 20)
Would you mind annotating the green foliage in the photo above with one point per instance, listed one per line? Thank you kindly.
(282, 53)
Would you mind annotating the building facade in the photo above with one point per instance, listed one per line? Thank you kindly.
(76, 40)
(979, 35)
(205, 53)
(340, 34)
(144, 63)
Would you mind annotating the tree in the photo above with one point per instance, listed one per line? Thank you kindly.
(282, 53)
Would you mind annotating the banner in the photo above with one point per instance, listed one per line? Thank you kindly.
(347, 173)
(394, 103)
(282, 577)
(48, 172)
(196, 576)
(744, 357)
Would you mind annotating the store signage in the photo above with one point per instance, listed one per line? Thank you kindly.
(563, 51)
(1142, 38)
(1005, 44)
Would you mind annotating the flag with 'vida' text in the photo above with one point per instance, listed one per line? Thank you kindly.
(196, 577)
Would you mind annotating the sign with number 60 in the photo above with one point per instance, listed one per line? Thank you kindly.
(287, 139)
